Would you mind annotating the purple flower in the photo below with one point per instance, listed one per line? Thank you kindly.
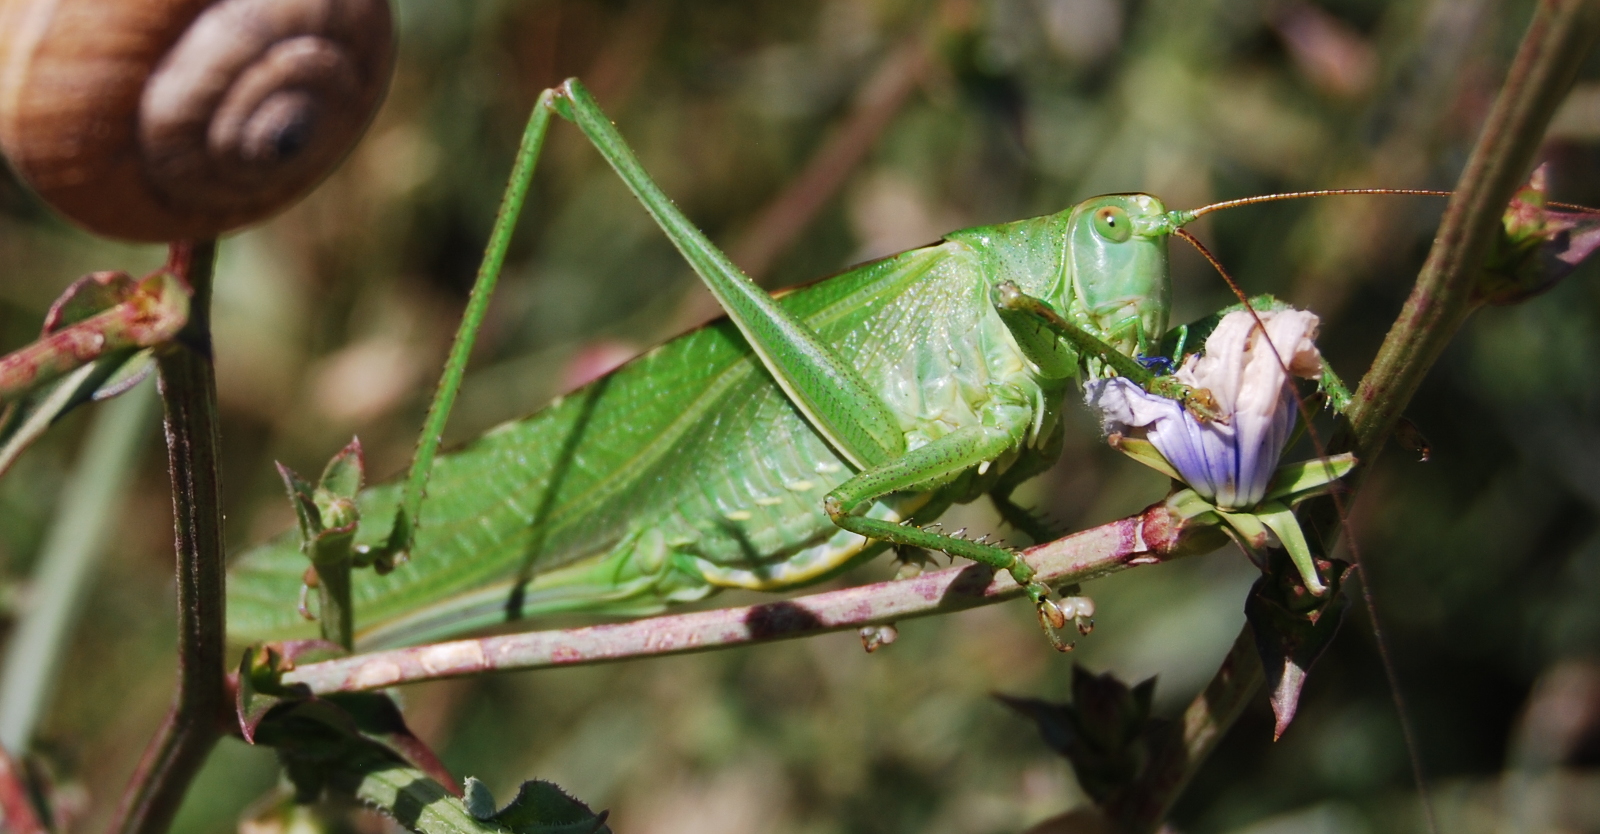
(1228, 461)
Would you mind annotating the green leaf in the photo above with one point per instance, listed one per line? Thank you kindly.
(261, 684)
(1295, 482)
(479, 801)
(421, 805)
(25, 419)
(87, 297)
(378, 719)
(543, 808)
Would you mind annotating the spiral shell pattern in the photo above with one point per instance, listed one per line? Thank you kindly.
(160, 120)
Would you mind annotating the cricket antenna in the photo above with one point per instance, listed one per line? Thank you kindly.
(1187, 216)
(1407, 730)
(1296, 195)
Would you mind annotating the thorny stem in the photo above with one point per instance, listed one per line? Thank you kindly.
(1158, 534)
(1560, 36)
(196, 720)
(1558, 39)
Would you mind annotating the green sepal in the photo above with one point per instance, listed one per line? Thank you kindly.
(1295, 482)
(343, 475)
(1537, 246)
(302, 496)
(1189, 506)
(1281, 521)
(1252, 532)
(1145, 452)
(260, 679)
(335, 497)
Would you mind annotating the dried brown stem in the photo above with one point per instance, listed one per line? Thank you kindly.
(196, 720)
(1152, 536)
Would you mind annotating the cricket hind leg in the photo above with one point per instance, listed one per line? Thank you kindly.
(826, 389)
(948, 456)
(408, 513)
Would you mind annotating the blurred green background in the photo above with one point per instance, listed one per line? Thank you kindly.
(333, 319)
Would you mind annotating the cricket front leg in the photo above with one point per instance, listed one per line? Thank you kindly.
(949, 455)
(1016, 306)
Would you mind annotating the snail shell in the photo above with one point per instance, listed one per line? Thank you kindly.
(161, 120)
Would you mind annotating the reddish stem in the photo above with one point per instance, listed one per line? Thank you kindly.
(1152, 536)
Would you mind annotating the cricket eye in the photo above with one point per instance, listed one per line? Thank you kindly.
(1112, 223)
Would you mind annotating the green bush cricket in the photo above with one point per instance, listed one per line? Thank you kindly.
(772, 449)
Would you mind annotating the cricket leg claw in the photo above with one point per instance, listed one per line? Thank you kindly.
(1053, 618)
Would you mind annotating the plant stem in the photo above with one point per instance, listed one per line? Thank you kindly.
(1559, 37)
(1155, 535)
(200, 710)
(89, 509)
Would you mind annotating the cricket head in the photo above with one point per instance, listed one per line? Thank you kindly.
(1117, 281)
